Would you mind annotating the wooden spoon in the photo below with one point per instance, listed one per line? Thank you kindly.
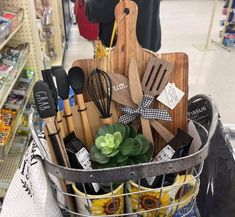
(77, 80)
(122, 95)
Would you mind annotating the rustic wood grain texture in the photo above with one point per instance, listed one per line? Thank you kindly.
(127, 48)
(93, 118)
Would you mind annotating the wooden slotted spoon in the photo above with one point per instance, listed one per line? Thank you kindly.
(156, 76)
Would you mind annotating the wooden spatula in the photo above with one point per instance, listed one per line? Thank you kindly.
(156, 76)
(137, 96)
(122, 95)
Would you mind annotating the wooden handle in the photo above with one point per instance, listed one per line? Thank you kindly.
(68, 112)
(163, 131)
(53, 129)
(146, 128)
(69, 200)
(85, 122)
(60, 124)
(108, 121)
(127, 46)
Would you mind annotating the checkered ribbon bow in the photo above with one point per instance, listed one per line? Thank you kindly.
(144, 111)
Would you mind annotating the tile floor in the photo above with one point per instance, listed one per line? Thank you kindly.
(185, 23)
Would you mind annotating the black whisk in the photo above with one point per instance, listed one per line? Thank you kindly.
(99, 86)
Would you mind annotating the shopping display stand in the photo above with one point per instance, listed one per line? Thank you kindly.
(188, 167)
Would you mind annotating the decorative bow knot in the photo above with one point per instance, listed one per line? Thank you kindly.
(144, 111)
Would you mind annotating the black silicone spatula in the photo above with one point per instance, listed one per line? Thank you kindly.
(63, 91)
(77, 80)
(47, 77)
(46, 108)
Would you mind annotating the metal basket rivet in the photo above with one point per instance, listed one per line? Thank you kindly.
(91, 176)
(132, 173)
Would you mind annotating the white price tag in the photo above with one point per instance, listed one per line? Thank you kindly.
(170, 96)
(84, 159)
(164, 155)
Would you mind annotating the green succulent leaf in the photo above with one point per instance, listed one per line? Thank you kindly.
(117, 139)
(140, 159)
(104, 130)
(129, 147)
(113, 153)
(133, 131)
(121, 158)
(145, 143)
(137, 147)
(98, 141)
(127, 162)
(97, 156)
(120, 128)
(127, 131)
(106, 150)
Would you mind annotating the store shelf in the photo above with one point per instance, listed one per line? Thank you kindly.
(4, 149)
(6, 89)
(8, 168)
(11, 163)
(10, 36)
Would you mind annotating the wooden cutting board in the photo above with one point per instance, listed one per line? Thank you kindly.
(127, 47)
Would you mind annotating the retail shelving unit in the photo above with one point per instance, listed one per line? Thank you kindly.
(60, 32)
(25, 32)
(226, 36)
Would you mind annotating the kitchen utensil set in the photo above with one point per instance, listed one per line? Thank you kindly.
(103, 88)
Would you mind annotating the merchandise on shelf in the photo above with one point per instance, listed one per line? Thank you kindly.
(12, 15)
(4, 29)
(18, 95)
(229, 23)
(7, 118)
(22, 85)
(14, 101)
(14, 55)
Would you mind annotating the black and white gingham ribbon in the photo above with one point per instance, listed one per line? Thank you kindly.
(144, 111)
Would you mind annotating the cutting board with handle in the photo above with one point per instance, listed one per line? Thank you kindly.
(127, 48)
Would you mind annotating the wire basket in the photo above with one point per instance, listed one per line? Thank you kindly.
(130, 198)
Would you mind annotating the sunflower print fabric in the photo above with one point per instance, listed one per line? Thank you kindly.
(150, 200)
(108, 206)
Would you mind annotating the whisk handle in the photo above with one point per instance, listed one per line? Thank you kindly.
(108, 121)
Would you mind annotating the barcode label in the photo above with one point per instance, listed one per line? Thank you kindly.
(84, 159)
(164, 155)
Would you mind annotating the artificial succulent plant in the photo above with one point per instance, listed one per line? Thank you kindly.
(119, 145)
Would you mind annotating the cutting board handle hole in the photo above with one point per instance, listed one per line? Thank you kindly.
(126, 11)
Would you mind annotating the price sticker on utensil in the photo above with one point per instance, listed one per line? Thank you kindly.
(170, 96)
